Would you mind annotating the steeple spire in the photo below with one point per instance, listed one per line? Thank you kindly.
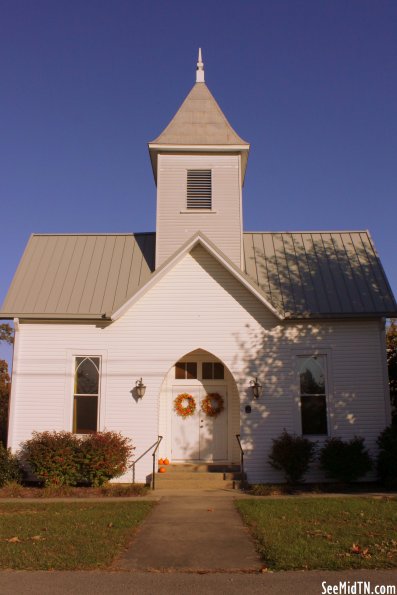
(200, 69)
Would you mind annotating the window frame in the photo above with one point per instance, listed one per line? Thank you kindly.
(186, 363)
(213, 364)
(199, 361)
(298, 355)
(86, 395)
(70, 355)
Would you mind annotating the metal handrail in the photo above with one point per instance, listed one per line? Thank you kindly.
(143, 454)
(159, 439)
(241, 459)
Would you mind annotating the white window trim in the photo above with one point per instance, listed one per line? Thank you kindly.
(69, 386)
(297, 354)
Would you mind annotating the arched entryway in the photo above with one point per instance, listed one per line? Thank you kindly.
(200, 437)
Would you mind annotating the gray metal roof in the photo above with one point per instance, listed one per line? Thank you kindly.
(79, 275)
(199, 121)
(318, 274)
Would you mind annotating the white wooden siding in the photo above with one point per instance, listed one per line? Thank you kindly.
(199, 305)
(176, 224)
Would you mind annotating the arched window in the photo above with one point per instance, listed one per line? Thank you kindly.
(86, 394)
(313, 394)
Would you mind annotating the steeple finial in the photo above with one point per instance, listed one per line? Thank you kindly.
(200, 69)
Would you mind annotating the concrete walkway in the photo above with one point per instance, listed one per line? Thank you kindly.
(195, 531)
(148, 583)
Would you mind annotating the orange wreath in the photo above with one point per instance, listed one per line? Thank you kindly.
(213, 404)
(184, 410)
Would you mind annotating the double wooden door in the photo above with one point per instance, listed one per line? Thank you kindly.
(200, 437)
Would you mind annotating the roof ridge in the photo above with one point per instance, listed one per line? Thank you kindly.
(90, 233)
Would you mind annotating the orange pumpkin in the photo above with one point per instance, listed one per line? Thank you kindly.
(161, 462)
(162, 470)
(166, 462)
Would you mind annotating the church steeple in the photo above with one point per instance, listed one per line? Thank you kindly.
(199, 125)
(200, 69)
(199, 164)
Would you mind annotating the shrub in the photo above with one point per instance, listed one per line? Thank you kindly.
(387, 457)
(345, 461)
(104, 455)
(293, 455)
(9, 467)
(54, 457)
(64, 459)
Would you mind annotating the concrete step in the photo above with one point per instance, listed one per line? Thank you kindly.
(192, 484)
(201, 468)
(203, 476)
(198, 476)
(190, 475)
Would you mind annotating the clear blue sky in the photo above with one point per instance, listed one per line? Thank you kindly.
(85, 84)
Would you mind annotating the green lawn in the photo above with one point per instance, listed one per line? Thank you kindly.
(324, 533)
(66, 536)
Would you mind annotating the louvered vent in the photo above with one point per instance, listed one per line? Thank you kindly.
(199, 189)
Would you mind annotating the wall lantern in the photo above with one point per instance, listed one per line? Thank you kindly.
(256, 387)
(140, 388)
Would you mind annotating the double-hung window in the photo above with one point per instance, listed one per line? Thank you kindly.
(313, 394)
(87, 371)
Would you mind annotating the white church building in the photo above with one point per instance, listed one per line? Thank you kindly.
(231, 333)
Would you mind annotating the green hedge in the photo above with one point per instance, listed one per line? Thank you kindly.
(387, 457)
(9, 467)
(292, 454)
(65, 459)
(345, 461)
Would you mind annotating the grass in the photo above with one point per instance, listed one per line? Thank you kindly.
(119, 490)
(66, 536)
(324, 533)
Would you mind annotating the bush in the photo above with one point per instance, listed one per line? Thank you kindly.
(9, 467)
(64, 459)
(293, 455)
(54, 457)
(387, 457)
(105, 455)
(345, 461)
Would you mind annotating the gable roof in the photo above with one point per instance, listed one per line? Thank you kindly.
(199, 124)
(319, 274)
(78, 276)
(297, 275)
(199, 239)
